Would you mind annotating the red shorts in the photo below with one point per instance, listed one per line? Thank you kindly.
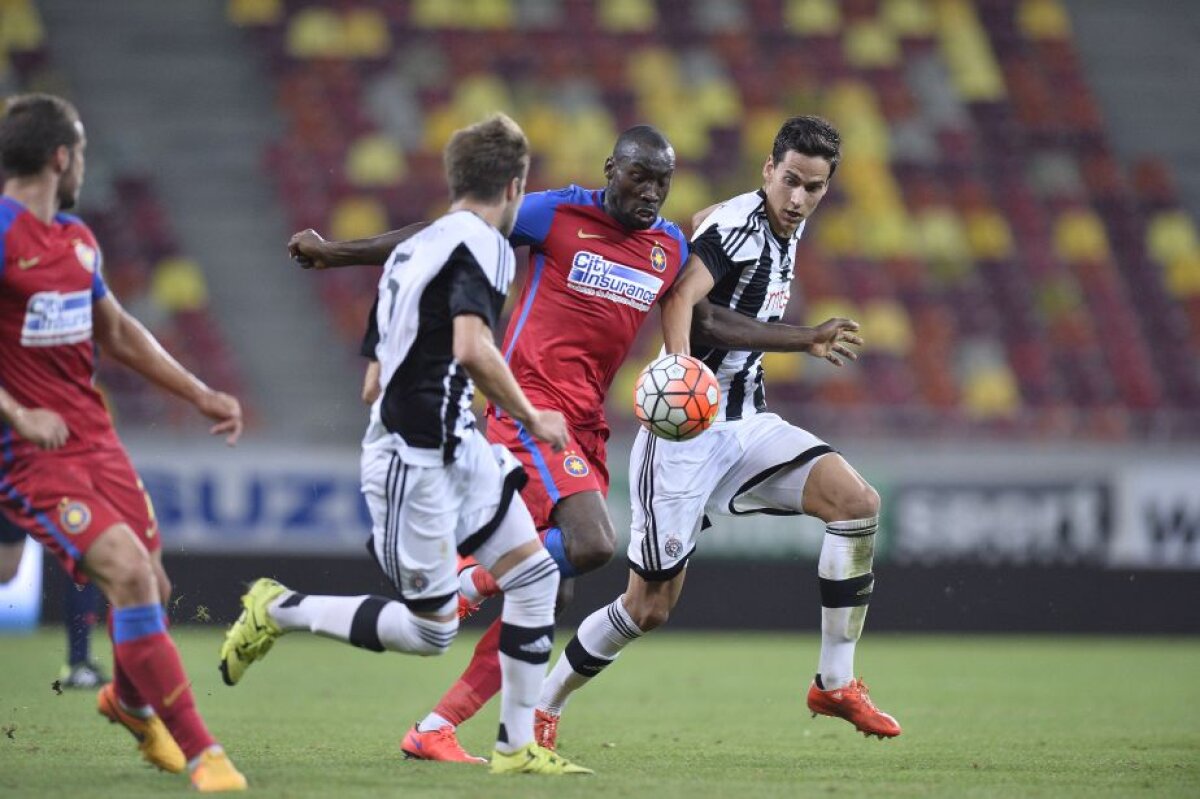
(582, 466)
(66, 502)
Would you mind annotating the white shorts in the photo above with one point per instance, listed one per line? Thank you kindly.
(754, 465)
(423, 517)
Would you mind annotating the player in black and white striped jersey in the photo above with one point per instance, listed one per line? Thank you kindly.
(751, 460)
(432, 483)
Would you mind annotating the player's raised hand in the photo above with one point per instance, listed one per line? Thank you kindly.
(43, 428)
(833, 338)
(551, 427)
(226, 411)
(307, 248)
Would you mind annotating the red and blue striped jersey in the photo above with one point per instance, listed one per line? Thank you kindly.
(590, 285)
(49, 279)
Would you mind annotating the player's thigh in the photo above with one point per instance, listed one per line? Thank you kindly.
(835, 491)
(115, 478)
(119, 562)
(775, 465)
(551, 476)
(585, 522)
(495, 526)
(56, 501)
(416, 545)
(669, 485)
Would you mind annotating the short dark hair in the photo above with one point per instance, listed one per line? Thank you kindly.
(32, 128)
(809, 135)
(481, 160)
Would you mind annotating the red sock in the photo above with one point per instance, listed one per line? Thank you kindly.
(150, 660)
(478, 683)
(127, 692)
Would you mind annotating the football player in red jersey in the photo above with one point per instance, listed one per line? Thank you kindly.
(599, 261)
(64, 475)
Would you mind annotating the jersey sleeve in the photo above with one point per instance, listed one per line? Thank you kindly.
(371, 336)
(471, 292)
(537, 213)
(707, 247)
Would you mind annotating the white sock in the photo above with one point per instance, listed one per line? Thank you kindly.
(526, 640)
(597, 642)
(844, 569)
(433, 722)
(466, 585)
(369, 622)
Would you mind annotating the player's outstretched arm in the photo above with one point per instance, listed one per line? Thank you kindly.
(677, 305)
(42, 427)
(715, 326)
(475, 349)
(125, 339)
(311, 251)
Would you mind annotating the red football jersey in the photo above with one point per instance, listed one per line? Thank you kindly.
(49, 279)
(591, 283)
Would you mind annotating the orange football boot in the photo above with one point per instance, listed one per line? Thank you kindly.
(483, 582)
(157, 746)
(853, 703)
(440, 744)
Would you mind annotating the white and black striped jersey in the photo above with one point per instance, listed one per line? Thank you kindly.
(752, 271)
(458, 265)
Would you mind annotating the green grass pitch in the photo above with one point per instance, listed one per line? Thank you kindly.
(680, 715)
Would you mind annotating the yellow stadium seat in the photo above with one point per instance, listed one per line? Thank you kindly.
(783, 367)
(1043, 19)
(177, 284)
(689, 193)
(1171, 235)
(375, 161)
(314, 33)
(991, 393)
(652, 69)
(908, 18)
(837, 232)
(870, 45)
(812, 17)
(886, 325)
(717, 102)
(21, 26)
(357, 218)
(758, 134)
(365, 34)
(462, 14)
(886, 233)
(968, 53)
(988, 235)
(822, 310)
(1079, 236)
(254, 12)
(942, 236)
(627, 16)
(1183, 275)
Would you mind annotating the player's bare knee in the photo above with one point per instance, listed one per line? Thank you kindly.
(123, 567)
(650, 613)
(862, 502)
(592, 554)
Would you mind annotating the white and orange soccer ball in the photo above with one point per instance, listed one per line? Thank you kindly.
(676, 397)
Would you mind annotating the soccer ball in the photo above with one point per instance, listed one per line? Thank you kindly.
(676, 397)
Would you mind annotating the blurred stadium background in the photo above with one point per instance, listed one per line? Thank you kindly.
(1014, 225)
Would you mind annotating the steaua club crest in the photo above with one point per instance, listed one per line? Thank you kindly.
(575, 465)
(658, 258)
(87, 256)
(74, 516)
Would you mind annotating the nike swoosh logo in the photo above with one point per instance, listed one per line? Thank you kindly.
(29, 263)
(170, 698)
(584, 235)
